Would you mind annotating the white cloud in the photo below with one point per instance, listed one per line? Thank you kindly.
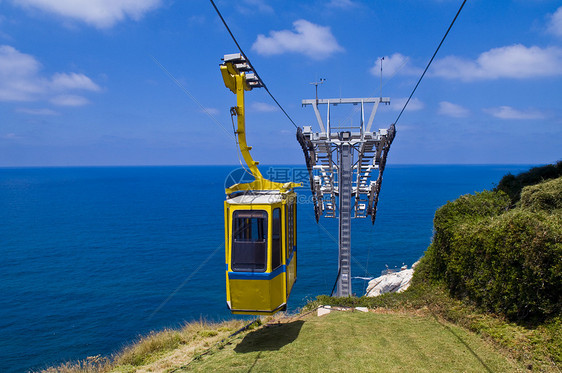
(396, 104)
(507, 112)
(63, 81)
(10, 136)
(515, 61)
(263, 107)
(253, 6)
(36, 111)
(196, 20)
(69, 100)
(452, 110)
(210, 111)
(555, 23)
(21, 79)
(392, 65)
(314, 41)
(18, 75)
(342, 4)
(100, 13)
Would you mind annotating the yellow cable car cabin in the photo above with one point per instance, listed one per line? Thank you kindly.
(261, 252)
(259, 221)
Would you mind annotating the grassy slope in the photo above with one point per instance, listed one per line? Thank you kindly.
(536, 347)
(422, 329)
(158, 351)
(357, 341)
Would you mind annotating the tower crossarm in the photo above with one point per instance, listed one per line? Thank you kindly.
(322, 151)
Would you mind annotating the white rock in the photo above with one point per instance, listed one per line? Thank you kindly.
(324, 310)
(395, 282)
(362, 309)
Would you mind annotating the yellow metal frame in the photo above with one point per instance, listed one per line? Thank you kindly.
(236, 82)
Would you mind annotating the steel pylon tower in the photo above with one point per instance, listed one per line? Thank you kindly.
(342, 163)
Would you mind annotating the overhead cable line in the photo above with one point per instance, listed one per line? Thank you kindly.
(250, 63)
(430, 61)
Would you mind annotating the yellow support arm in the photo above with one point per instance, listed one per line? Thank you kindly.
(236, 82)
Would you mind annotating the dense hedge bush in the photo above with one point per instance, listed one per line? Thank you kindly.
(512, 185)
(509, 262)
(546, 196)
(448, 217)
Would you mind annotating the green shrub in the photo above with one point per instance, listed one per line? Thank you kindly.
(208, 333)
(546, 196)
(508, 262)
(512, 185)
(448, 217)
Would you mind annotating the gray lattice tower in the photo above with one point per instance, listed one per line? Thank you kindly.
(335, 176)
(345, 189)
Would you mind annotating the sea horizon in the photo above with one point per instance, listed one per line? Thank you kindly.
(389, 164)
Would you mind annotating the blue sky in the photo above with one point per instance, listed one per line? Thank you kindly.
(82, 83)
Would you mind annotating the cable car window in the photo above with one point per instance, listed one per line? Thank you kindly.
(294, 226)
(290, 229)
(276, 239)
(249, 243)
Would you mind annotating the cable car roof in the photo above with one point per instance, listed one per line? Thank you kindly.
(256, 199)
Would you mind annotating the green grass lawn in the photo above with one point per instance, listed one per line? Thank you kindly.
(357, 342)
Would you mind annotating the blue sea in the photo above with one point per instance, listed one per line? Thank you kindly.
(94, 257)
